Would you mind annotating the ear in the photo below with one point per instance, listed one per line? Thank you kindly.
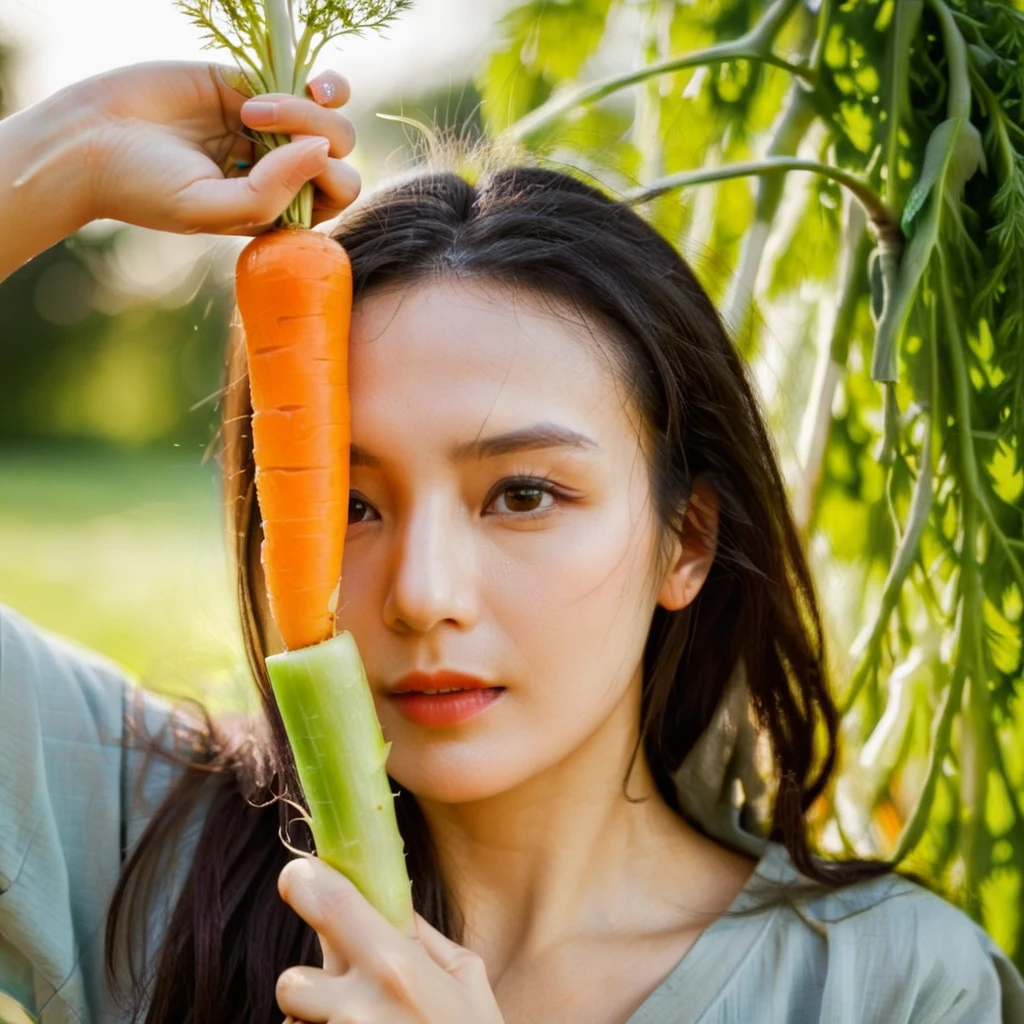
(693, 549)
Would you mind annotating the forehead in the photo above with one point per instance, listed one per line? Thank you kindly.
(482, 351)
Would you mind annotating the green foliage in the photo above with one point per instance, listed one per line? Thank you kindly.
(238, 27)
(545, 45)
(334, 18)
(897, 271)
(91, 353)
(995, 34)
(248, 29)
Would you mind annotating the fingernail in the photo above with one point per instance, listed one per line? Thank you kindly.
(259, 113)
(303, 872)
(323, 92)
(235, 79)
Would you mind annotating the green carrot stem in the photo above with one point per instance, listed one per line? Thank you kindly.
(282, 43)
(754, 45)
(275, 43)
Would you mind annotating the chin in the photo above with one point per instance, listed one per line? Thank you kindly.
(454, 777)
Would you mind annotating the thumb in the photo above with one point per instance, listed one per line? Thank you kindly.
(226, 204)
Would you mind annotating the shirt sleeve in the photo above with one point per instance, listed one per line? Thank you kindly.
(73, 797)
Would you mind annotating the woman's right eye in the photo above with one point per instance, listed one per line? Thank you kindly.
(359, 510)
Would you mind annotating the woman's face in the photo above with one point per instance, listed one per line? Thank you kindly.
(501, 527)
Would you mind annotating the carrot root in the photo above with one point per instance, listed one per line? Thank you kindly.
(294, 290)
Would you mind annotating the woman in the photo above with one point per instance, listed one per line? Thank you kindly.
(564, 506)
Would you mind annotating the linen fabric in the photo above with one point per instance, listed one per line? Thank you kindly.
(76, 793)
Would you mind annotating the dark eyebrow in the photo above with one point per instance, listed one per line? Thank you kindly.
(360, 457)
(542, 435)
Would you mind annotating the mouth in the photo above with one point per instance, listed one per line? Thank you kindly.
(439, 693)
(441, 699)
(441, 682)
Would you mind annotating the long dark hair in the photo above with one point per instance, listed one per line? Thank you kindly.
(229, 935)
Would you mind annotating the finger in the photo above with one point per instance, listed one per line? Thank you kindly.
(345, 921)
(458, 961)
(247, 204)
(291, 115)
(329, 89)
(337, 188)
(309, 994)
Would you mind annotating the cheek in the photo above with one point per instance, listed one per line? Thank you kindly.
(365, 579)
(582, 599)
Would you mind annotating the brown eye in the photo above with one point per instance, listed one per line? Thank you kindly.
(359, 511)
(523, 499)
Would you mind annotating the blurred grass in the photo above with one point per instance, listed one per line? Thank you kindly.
(123, 551)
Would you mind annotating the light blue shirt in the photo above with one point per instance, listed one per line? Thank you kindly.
(75, 796)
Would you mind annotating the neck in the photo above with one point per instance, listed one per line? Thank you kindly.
(570, 852)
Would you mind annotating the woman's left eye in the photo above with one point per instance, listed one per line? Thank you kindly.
(526, 496)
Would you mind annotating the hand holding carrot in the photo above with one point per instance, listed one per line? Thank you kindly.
(167, 148)
(372, 972)
(165, 145)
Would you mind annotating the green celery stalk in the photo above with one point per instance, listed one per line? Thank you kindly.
(340, 753)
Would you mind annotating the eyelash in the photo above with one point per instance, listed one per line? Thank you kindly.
(518, 483)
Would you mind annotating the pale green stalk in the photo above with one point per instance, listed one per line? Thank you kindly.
(832, 358)
(340, 754)
(798, 116)
(881, 217)
(282, 43)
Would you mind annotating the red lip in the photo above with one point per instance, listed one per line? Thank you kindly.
(439, 710)
(421, 682)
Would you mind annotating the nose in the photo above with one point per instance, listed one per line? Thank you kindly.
(433, 578)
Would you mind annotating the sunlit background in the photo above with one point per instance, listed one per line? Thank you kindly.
(112, 343)
(110, 524)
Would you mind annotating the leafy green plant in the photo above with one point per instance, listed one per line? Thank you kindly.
(858, 167)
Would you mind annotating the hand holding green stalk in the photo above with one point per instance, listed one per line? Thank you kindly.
(275, 44)
(161, 145)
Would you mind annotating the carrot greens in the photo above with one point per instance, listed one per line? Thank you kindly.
(275, 44)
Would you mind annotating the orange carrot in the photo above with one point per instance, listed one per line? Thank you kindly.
(294, 290)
